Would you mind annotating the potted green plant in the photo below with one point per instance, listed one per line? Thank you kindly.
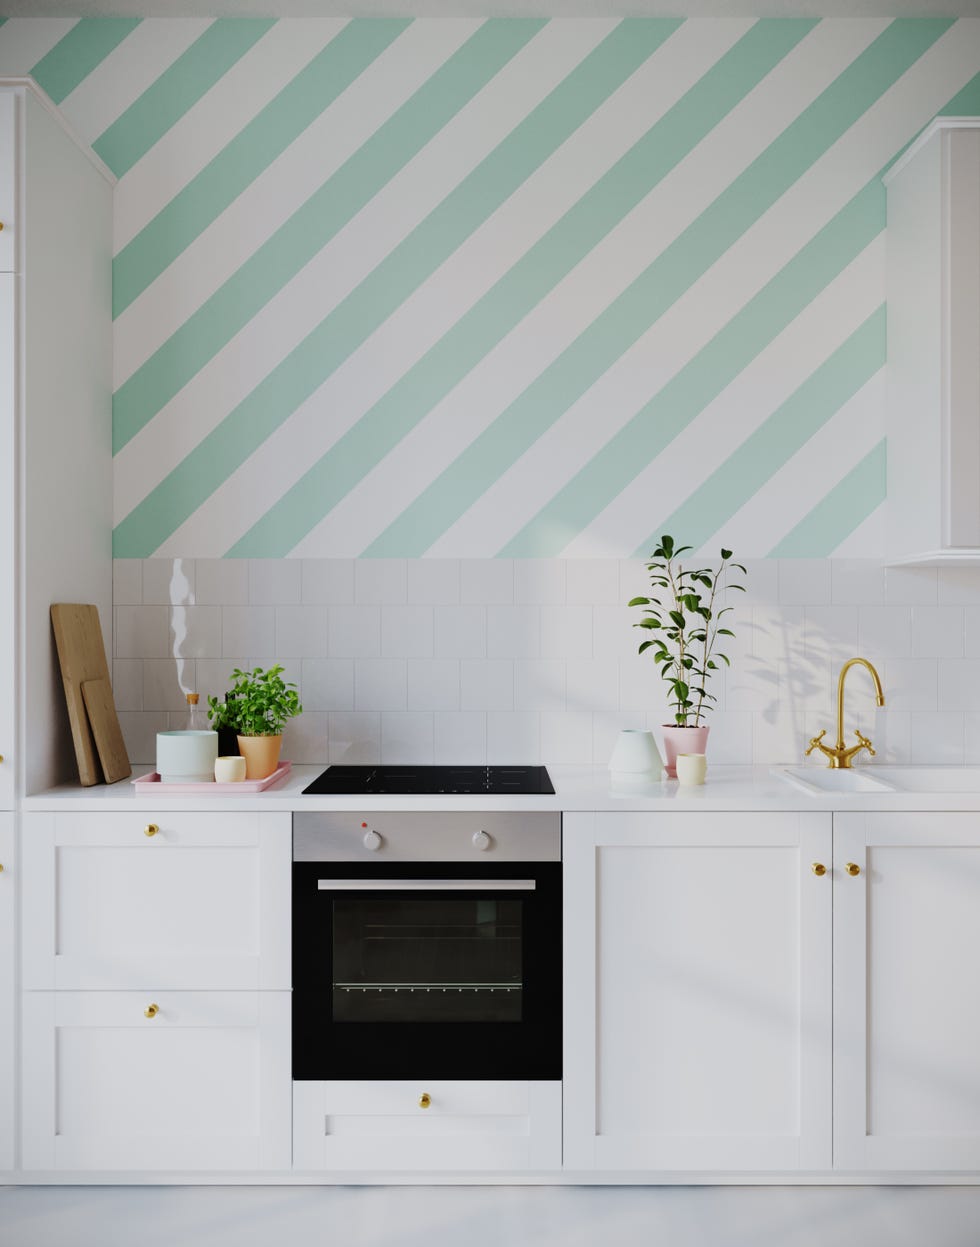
(683, 626)
(258, 706)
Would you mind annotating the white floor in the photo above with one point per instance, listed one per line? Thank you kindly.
(490, 1216)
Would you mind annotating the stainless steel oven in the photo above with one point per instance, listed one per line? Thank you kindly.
(427, 945)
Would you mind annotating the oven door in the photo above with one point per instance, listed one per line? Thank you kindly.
(426, 971)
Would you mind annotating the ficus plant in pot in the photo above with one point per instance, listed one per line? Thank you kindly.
(258, 706)
(684, 621)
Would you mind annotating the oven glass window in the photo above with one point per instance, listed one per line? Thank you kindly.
(427, 959)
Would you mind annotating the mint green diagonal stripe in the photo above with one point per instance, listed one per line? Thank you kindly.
(843, 510)
(177, 89)
(357, 316)
(326, 211)
(965, 103)
(251, 151)
(704, 377)
(75, 56)
(541, 268)
(779, 437)
(641, 305)
(3, 21)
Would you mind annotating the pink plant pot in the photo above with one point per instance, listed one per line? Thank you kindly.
(682, 740)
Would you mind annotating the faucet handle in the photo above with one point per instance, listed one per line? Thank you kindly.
(815, 743)
(866, 743)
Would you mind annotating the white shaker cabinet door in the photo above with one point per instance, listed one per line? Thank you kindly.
(151, 900)
(8, 1013)
(8, 526)
(8, 181)
(697, 992)
(164, 1081)
(906, 991)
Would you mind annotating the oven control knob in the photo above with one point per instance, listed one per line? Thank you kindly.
(481, 840)
(372, 841)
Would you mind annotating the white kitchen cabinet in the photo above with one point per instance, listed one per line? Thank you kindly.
(201, 902)
(8, 1013)
(933, 292)
(697, 992)
(200, 1084)
(55, 422)
(906, 992)
(426, 1125)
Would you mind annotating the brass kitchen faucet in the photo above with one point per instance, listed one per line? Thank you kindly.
(839, 756)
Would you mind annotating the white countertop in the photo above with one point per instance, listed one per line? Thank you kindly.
(578, 788)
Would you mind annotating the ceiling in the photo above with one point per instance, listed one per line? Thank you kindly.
(490, 8)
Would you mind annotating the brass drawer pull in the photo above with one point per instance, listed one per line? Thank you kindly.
(819, 868)
(150, 829)
(853, 868)
(151, 1011)
(425, 1100)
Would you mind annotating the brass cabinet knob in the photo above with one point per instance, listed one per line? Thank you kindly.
(425, 1100)
(1, 755)
(819, 868)
(151, 1011)
(1, 867)
(1, 224)
(853, 868)
(150, 829)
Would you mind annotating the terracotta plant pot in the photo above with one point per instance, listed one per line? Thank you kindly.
(261, 754)
(682, 740)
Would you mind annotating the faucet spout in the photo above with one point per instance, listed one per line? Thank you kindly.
(879, 693)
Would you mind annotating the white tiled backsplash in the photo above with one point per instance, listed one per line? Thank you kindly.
(526, 661)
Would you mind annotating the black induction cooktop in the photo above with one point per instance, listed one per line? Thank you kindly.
(420, 780)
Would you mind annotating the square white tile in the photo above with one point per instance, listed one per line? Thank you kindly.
(169, 582)
(195, 631)
(513, 631)
(566, 631)
(460, 739)
(221, 582)
(433, 684)
(487, 683)
(407, 738)
(885, 632)
(166, 684)
(592, 684)
(327, 582)
(857, 582)
(142, 632)
(406, 631)
(354, 739)
(127, 683)
(592, 582)
(354, 631)
(275, 582)
(127, 582)
(566, 738)
(539, 582)
(248, 630)
(379, 684)
(486, 582)
(804, 582)
(380, 581)
(513, 739)
(539, 684)
(433, 582)
(328, 684)
(939, 631)
(460, 632)
(302, 631)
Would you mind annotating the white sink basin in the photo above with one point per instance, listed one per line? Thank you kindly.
(815, 780)
(936, 779)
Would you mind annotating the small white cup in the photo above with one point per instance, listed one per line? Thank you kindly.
(229, 770)
(691, 768)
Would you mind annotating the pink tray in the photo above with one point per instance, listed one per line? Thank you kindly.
(145, 782)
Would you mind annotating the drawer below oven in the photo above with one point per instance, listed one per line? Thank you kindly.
(426, 1125)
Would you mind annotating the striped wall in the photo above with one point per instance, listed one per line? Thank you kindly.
(514, 288)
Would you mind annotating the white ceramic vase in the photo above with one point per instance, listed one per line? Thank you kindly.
(186, 757)
(635, 758)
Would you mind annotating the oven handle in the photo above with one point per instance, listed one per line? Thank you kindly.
(426, 885)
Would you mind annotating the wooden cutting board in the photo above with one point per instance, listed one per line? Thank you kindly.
(78, 636)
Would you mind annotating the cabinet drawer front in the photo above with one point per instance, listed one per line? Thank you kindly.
(466, 1125)
(201, 903)
(204, 1084)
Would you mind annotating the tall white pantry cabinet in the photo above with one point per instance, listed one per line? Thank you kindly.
(55, 468)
